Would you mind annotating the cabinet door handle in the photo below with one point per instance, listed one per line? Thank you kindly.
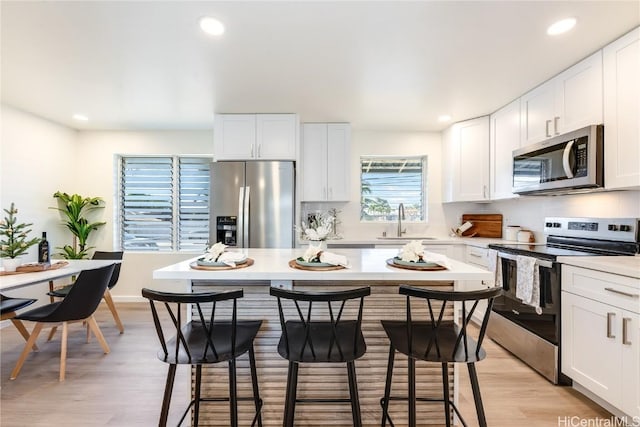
(251, 150)
(473, 254)
(484, 191)
(555, 125)
(625, 329)
(330, 196)
(547, 132)
(609, 318)
(259, 149)
(626, 294)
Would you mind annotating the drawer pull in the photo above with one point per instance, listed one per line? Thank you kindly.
(609, 317)
(625, 328)
(475, 255)
(626, 294)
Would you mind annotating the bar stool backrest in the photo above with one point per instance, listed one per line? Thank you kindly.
(185, 348)
(440, 335)
(334, 316)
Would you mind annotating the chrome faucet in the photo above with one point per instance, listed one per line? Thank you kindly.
(400, 218)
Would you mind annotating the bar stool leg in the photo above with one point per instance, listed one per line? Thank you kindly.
(290, 400)
(445, 391)
(254, 383)
(233, 396)
(353, 391)
(166, 401)
(196, 395)
(473, 376)
(387, 387)
(412, 392)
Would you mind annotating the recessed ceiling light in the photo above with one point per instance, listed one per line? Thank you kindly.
(80, 117)
(562, 26)
(211, 26)
(444, 118)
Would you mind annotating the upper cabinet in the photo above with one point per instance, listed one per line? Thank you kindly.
(466, 161)
(504, 137)
(569, 101)
(255, 136)
(621, 60)
(326, 153)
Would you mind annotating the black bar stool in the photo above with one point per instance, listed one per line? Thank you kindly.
(437, 340)
(335, 340)
(202, 342)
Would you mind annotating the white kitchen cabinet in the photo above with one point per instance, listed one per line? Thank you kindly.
(255, 136)
(601, 335)
(569, 101)
(326, 156)
(504, 138)
(621, 71)
(478, 257)
(466, 161)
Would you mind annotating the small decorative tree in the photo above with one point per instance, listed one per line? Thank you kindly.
(75, 207)
(14, 240)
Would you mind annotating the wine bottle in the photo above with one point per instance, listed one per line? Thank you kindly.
(43, 250)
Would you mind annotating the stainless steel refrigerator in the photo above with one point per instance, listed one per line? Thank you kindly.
(252, 204)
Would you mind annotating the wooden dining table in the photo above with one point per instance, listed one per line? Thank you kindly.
(73, 268)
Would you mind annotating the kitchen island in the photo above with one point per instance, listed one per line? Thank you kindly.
(368, 268)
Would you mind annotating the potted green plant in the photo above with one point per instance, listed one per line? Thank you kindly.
(14, 239)
(75, 207)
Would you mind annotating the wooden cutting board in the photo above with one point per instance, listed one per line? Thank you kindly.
(484, 225)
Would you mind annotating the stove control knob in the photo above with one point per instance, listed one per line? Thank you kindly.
(557, 225)
(625, 228)
(613, 227)
(548, 224)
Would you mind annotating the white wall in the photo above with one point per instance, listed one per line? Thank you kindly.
(529, 212)
(37, 158)
(365, 143)
(97, 151)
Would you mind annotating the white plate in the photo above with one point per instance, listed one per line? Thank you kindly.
(399, 261)
(313, 264)
(204, 263)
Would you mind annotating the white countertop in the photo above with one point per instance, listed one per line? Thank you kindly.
(445, 240)
(622, 265)
(366, 264)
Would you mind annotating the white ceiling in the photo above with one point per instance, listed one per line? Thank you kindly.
(379, 65)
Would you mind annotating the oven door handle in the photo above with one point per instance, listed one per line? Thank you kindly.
(539, 262)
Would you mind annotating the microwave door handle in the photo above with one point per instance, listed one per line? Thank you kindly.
(565, 159)
(245, 213)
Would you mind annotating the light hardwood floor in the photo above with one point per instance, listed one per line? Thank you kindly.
(124, 388)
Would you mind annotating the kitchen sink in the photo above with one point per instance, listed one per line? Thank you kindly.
(406, 238)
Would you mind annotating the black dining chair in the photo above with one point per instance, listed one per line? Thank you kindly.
(205, 341)
(78, 306)
(323, 339)
(63, 291)
(440, 341)
(8, 308)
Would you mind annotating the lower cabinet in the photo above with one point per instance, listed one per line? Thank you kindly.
(478, 257)
(600, 347)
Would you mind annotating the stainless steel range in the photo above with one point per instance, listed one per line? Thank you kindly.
(533, 337)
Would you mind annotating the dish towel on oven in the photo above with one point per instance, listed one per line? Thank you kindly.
(528, 282)
(494, 265)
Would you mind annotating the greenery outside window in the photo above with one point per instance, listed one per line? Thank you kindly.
(385, 182)
(163, 203)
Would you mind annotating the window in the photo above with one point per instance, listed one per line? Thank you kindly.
(385, 182)
(164, 203)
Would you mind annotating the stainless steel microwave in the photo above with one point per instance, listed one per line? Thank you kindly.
(567, 163)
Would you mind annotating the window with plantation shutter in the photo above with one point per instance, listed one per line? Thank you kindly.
(164, 203)
(193, 213)
(385, 182)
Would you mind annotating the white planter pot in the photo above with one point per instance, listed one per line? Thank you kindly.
(10, 264)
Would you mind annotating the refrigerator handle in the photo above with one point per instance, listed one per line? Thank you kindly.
(240, 225)
(245, 219)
